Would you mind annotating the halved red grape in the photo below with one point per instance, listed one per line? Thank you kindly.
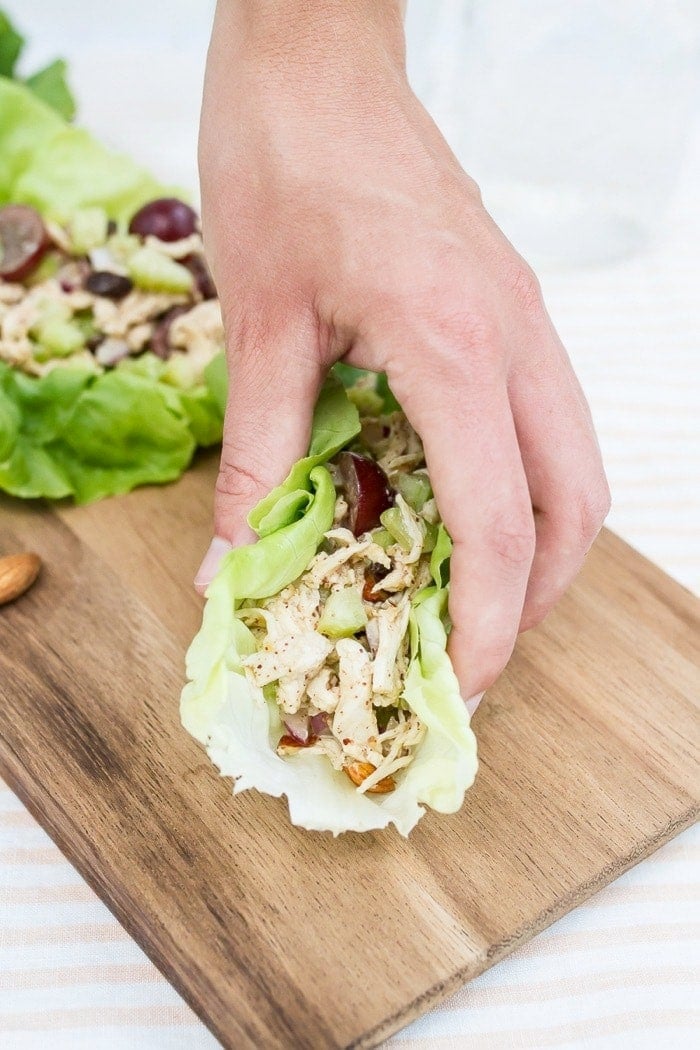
(167, 218)
(366, 490)
(23, 241)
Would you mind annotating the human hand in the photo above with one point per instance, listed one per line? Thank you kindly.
(338, 225)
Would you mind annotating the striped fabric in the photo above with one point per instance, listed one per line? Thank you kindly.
(622, 970)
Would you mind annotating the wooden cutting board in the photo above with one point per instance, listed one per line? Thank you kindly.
(281, 938)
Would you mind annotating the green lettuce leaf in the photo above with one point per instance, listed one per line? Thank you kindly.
(57, 168)
(11, 44)
(349, 375)
(336, 421)
(440, 557)
(205, 404)
(49, 84)
(240, 732)
(74, 433)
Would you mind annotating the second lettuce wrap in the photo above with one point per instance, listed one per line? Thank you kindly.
(79, 431)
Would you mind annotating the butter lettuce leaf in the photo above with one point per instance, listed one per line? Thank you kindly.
(336, 421)
(240, 731)
(11, 44)
(72, 433)
(58, 168)
(49, 84)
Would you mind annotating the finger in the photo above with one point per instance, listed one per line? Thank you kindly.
(273, 385)
(565, 475)
(480, 486)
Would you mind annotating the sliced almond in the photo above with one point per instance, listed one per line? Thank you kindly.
(17, 573)
(290, 745)
(359, 771)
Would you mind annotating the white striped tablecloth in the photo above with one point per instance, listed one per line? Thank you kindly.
(622, 970)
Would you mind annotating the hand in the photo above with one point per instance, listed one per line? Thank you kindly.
(339, 225)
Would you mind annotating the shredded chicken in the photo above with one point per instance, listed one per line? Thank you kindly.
(392, 624)
(349, 689)
(200, 331)
(354, 721)
(323, 690)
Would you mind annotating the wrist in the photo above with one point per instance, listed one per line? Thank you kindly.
(281, 35)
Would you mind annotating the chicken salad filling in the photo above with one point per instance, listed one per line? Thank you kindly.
(93, 296)
(333, 646)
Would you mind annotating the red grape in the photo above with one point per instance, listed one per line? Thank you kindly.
(23, 241)
(366, 490)
(167, 218)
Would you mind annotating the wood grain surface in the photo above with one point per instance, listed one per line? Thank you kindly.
(281, 938)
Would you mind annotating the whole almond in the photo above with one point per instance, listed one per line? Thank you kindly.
(17, 573)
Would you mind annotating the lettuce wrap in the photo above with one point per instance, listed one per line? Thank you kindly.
(87, 409)
(288, 618)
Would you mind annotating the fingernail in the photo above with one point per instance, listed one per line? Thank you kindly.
(473, 703)
(210, 563)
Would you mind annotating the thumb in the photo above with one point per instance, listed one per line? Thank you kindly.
(273, 387)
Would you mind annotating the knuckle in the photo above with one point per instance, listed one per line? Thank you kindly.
(473, 188)
(236, 483)
(478, 331)
(512, 538)
(525, 289)
(458, 335)
(454, 338)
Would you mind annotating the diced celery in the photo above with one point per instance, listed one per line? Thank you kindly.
(343, 614)
(85, 321)
(57, 338)
(48, 266)
(50, 310)
(88, 229)
(415, 489)
(431, 535)
(269, 691)
(154, 272)
(367, 401)
(122, 246)
(383, 538)
(392, 520)
(181, 370)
